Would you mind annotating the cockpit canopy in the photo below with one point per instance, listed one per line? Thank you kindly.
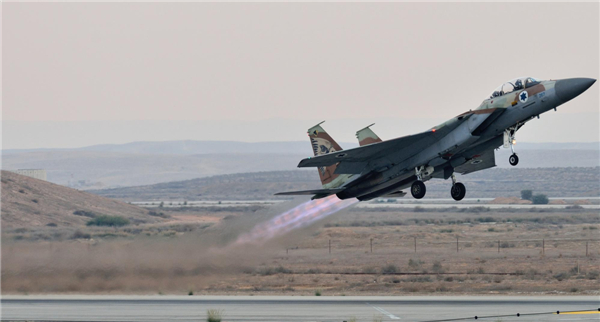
(514, 85)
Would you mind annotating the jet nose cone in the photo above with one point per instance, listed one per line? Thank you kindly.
(568, 89)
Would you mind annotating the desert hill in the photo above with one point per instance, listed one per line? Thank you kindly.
(28, 202)
(96, 169)
(241, 186)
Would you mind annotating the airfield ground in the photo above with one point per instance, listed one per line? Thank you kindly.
(300, 308)
(500, 251)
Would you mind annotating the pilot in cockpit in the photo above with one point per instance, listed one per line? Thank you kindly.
(518, 85)
(514, 85)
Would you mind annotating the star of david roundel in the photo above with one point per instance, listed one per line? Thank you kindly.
(523, 96)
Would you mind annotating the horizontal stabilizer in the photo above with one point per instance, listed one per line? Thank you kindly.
(325, 192)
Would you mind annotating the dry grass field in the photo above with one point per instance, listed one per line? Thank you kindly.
(512, 251)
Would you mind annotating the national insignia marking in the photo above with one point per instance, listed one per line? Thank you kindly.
(523, 97)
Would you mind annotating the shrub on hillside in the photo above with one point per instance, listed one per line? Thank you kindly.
(540, 199)
(389, 269)
(158, 214)
(526, 194)
(78, 234)
(437, 267)
(84, 213)
(111, 221)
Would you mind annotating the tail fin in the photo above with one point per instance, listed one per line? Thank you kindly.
(367, 136)
(322, 143)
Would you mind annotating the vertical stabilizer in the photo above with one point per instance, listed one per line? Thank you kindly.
(367, 136)
(322, 143)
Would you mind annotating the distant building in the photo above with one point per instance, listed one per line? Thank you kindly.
(33, 173)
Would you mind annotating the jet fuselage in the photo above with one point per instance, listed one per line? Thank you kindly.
(484, 129)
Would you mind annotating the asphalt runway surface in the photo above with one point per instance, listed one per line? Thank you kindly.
(298, 308)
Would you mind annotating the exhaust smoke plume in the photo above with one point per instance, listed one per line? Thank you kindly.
(298, 217)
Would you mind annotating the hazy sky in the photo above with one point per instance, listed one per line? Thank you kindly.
(76, 74)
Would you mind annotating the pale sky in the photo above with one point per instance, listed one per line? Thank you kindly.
(77, 74)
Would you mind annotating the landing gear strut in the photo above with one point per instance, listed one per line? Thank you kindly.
(458, 190)
(510, 135)
(418, 189)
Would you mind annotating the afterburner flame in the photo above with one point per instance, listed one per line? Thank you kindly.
(298, 217)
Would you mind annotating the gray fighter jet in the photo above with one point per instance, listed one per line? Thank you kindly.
(463, 144)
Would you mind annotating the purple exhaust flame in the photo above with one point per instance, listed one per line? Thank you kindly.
(298, 217)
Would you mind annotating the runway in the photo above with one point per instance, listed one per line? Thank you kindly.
(296, 308)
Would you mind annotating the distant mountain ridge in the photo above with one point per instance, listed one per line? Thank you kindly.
(143, 163)
(190, 147)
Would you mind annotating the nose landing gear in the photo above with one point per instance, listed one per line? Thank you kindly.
(509, 139)
(458, 190)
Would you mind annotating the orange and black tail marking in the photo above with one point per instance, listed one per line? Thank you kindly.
(322, 143)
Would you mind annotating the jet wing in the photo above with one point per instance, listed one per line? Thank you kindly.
(381, 154)
(364, 153)
(483, 161)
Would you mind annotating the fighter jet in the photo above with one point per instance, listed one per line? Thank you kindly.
(464, 144)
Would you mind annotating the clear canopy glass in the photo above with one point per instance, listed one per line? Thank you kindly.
(514, 85)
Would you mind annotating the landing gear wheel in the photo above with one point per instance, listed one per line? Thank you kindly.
(418, 189)
(458, 191)
(513, 160)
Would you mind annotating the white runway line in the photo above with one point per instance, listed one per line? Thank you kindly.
(390, 315)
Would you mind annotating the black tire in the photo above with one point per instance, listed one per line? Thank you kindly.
(458, 191)
(418, 189)
(513, 160)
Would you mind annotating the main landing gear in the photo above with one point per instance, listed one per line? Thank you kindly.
(418, 190)
(458, 190)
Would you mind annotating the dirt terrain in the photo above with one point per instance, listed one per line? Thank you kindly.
(372, 252)
(31, 203)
